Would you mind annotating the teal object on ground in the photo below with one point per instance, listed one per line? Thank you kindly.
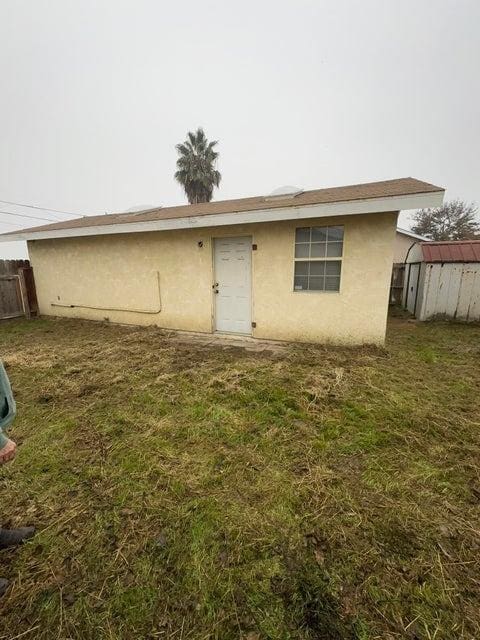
(8, 408)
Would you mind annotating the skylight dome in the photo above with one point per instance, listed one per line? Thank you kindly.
(138, 208)
(287, 191)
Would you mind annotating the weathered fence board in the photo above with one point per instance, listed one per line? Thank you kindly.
(10, 298)
(11, 267)
(17, 289)
(452, 291)
(30, 286)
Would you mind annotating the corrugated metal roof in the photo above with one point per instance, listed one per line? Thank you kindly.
(386, 188)
(451, 251)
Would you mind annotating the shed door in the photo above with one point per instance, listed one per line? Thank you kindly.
(233, 285)
(412, 286)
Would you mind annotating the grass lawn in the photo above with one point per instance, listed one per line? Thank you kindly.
(183, 491)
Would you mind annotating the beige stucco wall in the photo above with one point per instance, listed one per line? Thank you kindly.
(121, 271)
(401, 246)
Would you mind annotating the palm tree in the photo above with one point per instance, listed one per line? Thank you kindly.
(196, 164)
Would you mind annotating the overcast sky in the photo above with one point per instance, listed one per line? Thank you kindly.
(96, 93)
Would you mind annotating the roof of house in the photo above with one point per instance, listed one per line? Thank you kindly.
(370, 192)
(451, 251)
(410, 234)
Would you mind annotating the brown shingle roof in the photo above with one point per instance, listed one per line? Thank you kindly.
(386, 188)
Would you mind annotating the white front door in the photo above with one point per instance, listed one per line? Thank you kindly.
(233, 285)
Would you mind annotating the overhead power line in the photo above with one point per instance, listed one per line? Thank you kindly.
(25, 215)
(12, 224)
(33, 206)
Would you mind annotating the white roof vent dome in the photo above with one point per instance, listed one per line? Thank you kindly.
(141, 207)
(287, 191)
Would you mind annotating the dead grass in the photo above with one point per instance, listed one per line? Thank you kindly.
(183, 491)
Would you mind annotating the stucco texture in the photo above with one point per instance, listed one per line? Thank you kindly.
(124, 271)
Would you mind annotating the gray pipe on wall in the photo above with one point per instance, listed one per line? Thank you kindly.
(88, 306)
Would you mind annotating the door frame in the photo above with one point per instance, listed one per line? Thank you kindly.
(214, 319)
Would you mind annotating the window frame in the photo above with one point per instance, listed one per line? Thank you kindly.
(323, 259)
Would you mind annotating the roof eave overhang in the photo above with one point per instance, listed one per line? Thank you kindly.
(410, 234)
(301, 212)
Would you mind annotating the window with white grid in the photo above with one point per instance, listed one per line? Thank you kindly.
(318, 258)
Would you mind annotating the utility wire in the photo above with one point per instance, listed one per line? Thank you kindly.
(25, 215)
(12, 224)
(33, 206)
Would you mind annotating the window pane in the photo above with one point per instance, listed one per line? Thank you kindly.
(300, 283)
(301, 268)
(319, 234)
(332, 283)
(316, 283)
(335, 233)
(332, 267)
(334, 249)
(301, 250)
(317, 268)
(318, 250)
(313, 272)
(302, 235)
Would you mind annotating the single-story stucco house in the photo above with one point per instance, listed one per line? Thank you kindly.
(305, 265)
(403, 241)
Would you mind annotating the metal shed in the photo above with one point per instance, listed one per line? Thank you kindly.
(442, 280)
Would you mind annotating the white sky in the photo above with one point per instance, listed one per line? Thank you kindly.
(96, 93)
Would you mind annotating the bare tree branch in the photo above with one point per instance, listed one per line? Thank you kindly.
(454, 220)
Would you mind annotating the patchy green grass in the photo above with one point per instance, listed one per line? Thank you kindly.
(183, 491)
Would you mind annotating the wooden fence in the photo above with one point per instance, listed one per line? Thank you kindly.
(396, 285)
(17, 289)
